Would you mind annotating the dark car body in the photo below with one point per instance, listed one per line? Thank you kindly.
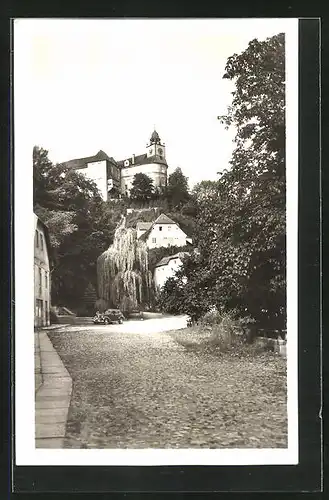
(109, 316)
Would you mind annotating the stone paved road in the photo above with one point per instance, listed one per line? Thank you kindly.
(135, 387)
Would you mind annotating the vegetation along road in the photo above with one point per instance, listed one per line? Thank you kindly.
(142, 389)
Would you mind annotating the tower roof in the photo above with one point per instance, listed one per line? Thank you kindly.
(155, 139)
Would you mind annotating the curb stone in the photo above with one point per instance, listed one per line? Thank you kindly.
(52, 398)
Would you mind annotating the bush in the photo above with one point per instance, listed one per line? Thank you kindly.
(228, 329)
(170, 298)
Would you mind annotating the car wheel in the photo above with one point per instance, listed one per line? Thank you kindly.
(106, 321)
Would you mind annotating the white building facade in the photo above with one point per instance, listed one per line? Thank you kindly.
(167, 268)
(115, 178)
(42, 283)
(163, 232)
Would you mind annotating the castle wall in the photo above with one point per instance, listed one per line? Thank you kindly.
(156, 171)
(97, 171)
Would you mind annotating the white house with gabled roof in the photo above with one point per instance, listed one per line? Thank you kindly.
(163, 232)
(167, 268)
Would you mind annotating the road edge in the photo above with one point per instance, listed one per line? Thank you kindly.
(53, 395)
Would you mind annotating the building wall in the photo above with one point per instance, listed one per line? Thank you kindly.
(41, 277)
(156, 171)
(162, 273)
(97, 172)
(165, 235)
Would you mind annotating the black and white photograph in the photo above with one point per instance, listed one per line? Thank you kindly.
(156, 241)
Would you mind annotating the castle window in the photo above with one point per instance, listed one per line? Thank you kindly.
(154, 240)
(37, 239)
(41, 241)
(160, 228)
(169, 228)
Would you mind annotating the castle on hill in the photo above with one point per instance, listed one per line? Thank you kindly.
(114, 178)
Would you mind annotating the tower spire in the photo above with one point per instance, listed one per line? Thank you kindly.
(155, 139)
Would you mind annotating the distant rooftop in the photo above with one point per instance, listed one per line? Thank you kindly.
(165, 260)
(143, 226)
(82, 162)
(141, 160)
(162, 219)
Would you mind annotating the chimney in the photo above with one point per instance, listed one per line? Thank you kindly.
(133, 159)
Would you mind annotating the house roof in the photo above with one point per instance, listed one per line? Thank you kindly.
(143, 225)
(141, 160)
(165, 260)
(162, 219)
(82, 162)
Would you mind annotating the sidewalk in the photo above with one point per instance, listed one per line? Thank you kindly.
(53, 386)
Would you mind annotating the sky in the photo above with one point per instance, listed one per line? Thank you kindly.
(88, 85)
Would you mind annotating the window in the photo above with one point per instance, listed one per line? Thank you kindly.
(37, 239)
(46, 279)
(40, 281)
(169, 228)
(160, 228)
(154, 240)
(39, 310)
(41, 241)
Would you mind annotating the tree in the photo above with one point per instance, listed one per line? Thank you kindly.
(124, 278)
(203, 190)
(253, 193)
(81, 226)
(142, 187)
(177, 190)
(241, 218)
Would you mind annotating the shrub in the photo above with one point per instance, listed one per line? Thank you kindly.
(229, 320)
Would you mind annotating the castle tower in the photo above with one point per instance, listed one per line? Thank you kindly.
(155, 147)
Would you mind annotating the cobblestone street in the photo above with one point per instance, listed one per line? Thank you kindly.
(137, 389)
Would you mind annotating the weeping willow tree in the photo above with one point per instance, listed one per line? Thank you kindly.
(124, 278)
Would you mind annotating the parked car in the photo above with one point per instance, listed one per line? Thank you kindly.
(109, 316)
